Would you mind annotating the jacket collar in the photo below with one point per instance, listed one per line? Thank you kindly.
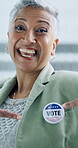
(38, 87)
(7, 87)
(41, 81)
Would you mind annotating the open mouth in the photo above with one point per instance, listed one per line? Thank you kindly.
(28, 53)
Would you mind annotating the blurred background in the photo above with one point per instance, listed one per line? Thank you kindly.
(67, 51)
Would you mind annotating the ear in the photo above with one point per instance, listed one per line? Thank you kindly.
(54, 46)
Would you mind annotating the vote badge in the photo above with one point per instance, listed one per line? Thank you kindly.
(53, 113)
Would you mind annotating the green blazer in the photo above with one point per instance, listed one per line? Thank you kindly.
(34, 131)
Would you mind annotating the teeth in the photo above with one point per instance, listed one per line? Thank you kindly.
(28, 56)
(27, 51)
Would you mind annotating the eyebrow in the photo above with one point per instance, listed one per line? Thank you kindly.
(40, 21)
(17, 19)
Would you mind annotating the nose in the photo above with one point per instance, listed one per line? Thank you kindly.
(29, 37)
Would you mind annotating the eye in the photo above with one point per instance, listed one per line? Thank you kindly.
(41, 30)
(20, 28)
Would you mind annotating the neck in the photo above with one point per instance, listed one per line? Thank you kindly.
(26, 81)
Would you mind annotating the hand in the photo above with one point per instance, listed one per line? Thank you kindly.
(70, 104)
(8, 114)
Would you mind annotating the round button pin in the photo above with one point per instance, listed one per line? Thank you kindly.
(53, 113)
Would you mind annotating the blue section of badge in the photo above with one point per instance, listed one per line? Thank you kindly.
(52, 106)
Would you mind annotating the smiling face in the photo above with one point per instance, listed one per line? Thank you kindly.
(31, 39)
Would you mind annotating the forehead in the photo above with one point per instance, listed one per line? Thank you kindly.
(36, 14)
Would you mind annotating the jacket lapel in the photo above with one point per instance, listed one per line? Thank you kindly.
(37, 89)
(39, 85)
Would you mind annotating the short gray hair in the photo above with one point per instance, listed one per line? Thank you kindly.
(43, 4)
(34, 3)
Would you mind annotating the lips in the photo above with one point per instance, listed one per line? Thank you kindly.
(27, 52)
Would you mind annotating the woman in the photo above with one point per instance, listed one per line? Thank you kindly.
(32, 39)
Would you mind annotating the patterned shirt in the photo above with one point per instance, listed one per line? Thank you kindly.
(8, 127)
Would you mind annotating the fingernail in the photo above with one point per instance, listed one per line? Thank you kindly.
(64, 106)
(19, 117)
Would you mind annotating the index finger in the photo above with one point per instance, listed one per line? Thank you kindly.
(8, 114)
(70, 104)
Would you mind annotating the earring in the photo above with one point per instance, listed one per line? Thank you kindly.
(6, 50)
(52, 57)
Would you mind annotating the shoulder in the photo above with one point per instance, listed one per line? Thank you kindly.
(66, 82)
(65, 76)
(6, 81)
(2, 81)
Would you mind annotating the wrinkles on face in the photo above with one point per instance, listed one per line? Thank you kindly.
(32, 31)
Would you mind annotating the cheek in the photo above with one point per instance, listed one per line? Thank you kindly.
(12, 38)
(11, 42)
(46, 48)
(10, 47)
(47, 44)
